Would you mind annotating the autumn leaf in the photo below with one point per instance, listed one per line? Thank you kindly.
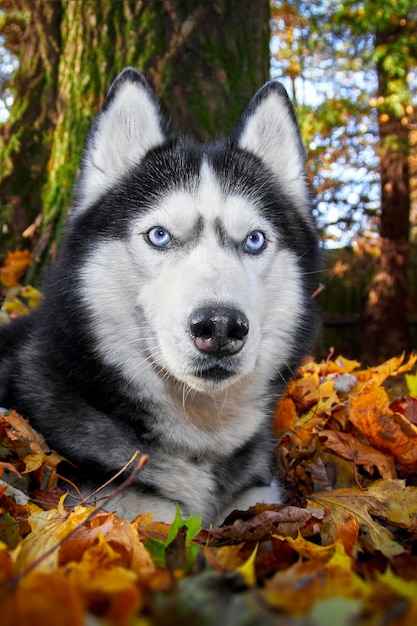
(49, 528)
(108, 589)
(388, 431)
(411, 381)
(388, 500)
(298, 588)
(28, 444)
(19, 301)
(352, 449)
(392, 367)
(340, 548)
(247, 569)
(14, 267)
(309, 550)
(42, 599)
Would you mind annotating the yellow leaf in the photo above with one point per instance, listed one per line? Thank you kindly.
(309, 550)
(297, 588)
(248, 568)
(404, 588)
(346, 365)
(411, 380)
(16, 307)
(392, 367)
(49, 528)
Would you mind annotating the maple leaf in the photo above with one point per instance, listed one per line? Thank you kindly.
(388, 500)
(108, 589)
(350, 448)
(370, 412)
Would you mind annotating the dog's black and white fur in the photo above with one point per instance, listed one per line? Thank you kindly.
(178, 306)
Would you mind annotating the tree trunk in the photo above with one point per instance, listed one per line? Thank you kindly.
(216, 56)
(204, 59)
(386, 332)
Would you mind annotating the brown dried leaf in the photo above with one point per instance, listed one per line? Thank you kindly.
(287, 522)
(350, 448)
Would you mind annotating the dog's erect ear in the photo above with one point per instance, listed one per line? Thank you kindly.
(268, 128)
(129, 124)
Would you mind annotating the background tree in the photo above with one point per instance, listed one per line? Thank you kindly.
(395, 53)
(352, 70)
(203, 59)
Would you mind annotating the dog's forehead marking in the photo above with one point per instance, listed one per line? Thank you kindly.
(206, 204)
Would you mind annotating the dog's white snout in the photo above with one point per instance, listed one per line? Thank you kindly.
(219, 330)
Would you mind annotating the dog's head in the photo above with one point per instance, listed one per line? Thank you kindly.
(197, 259)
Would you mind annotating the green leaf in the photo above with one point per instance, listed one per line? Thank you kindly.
(192, 523)
(158, 549)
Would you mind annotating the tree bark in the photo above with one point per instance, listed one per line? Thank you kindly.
(386, 332)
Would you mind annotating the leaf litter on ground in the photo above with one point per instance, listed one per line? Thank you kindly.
(341, 549)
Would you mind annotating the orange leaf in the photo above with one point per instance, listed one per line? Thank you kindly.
(386, 430)
(109, 590)
(308, 549)
(348, 534)
(285, 416)
(149, 529)
(42, 599)
(14, 267)
(118, 533)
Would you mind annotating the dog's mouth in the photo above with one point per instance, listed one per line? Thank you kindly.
(215, 373)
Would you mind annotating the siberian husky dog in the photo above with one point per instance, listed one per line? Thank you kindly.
(178, 307)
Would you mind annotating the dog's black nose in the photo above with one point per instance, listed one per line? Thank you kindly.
(219, 331)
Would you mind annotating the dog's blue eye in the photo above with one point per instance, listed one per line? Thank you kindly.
(255, 242)
(159, 237)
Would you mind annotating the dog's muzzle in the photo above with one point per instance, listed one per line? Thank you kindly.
(218, 331)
